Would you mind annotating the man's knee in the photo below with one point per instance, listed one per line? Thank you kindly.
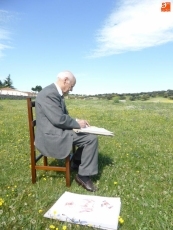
(93, 138)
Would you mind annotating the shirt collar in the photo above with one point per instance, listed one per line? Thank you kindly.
(59, 89)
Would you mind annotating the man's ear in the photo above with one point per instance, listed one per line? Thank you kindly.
(65, 79)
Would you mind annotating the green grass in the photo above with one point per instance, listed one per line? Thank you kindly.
(160, 99)
(139, 158)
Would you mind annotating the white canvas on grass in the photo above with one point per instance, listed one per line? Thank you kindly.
(96, 211)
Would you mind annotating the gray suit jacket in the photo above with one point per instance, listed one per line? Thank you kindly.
(54, 134)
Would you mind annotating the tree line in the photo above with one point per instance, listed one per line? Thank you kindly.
(8, 83)
(143, 96)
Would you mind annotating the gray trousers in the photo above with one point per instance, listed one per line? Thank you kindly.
(88, 143)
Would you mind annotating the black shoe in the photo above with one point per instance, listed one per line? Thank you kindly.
(87, 185)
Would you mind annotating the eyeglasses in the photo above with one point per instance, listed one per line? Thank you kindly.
(71, 86)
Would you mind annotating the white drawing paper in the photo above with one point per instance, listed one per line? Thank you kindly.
(96, 211)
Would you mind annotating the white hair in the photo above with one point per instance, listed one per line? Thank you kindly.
(65, 74)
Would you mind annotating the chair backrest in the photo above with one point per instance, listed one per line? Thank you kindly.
(32, 122)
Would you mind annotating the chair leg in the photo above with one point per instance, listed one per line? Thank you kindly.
(33, 173)
(45, 161)
(33, 163)
(67, 173)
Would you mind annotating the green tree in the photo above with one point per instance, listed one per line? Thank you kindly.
(8, 82)
(1, 84)
(37, 89)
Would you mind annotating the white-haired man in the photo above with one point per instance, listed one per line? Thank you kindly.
(55, 135)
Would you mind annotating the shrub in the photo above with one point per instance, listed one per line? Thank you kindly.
(132, 98)
(116, 100)
(144, 97)
(122, 97)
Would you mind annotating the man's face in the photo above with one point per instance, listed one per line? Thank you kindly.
(68, 85)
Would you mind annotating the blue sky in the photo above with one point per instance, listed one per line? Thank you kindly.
(111, 46)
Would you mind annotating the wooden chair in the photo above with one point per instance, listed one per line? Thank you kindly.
(35, 158)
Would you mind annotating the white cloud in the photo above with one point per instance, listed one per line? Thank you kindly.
(4, 33)
(134, 25)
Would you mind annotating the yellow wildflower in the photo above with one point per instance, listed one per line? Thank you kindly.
(120, 219)
(40, 211)
(52, 226)
(1, 201)
(64, 227)
(115, 182)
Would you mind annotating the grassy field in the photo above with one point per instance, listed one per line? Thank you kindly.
(136, 165)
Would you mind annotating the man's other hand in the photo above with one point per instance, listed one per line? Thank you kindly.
(83, 123)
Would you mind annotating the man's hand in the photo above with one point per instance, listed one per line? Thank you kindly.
(83, 123)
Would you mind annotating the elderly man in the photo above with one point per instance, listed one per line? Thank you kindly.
(55, 135)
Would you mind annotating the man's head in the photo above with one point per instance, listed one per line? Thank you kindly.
(66, 81)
